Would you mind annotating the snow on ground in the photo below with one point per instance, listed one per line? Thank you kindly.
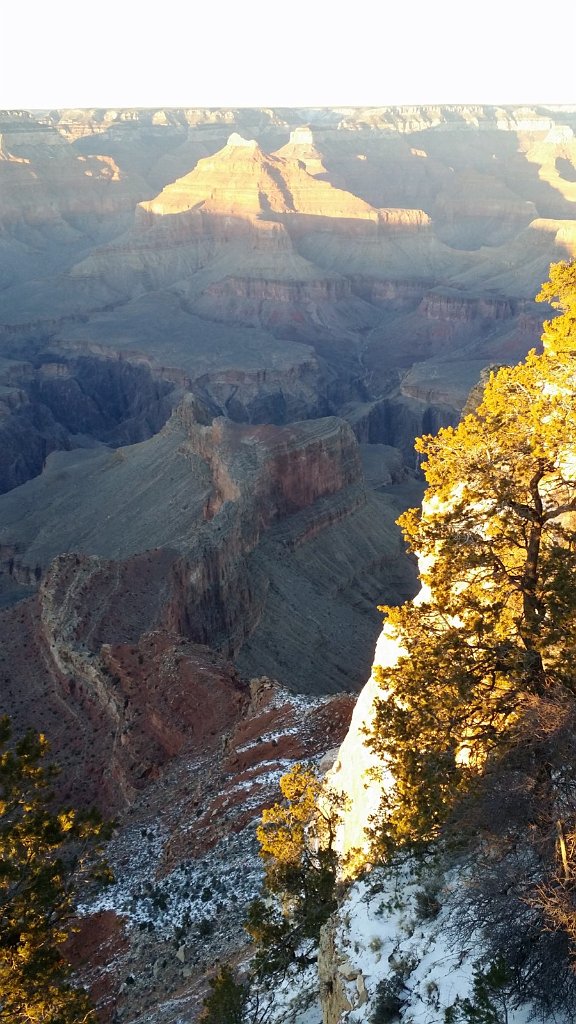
(202, 890)
(394, 932)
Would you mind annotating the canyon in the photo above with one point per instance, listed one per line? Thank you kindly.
(220, 333)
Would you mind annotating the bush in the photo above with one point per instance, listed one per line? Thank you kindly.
(389, 1000)
(427, 906)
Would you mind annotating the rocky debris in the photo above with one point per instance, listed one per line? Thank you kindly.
(185, 858)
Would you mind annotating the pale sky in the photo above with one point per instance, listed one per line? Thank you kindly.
(117, 53)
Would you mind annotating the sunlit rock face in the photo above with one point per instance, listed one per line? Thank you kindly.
(352, 776)
(302, 146)
(242, 179)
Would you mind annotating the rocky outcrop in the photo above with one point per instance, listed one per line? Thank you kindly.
(304, 310)
(302, 146)
(238, 455)
(243, 180)
(261, 476)
(115, 710)
(397, 420)
(452, 307)
(391, 294)
(331, 964)
(268, 395)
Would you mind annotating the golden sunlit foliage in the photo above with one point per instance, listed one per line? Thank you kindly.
(297, 846)
(560, 291)
(496, 621)
(47, 857)
(282, 834)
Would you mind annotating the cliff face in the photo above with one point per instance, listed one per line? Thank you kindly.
(261, 477)
(456, 308)
(239, 453)
(115, 712)
(54, 399)
(242, 524)
(305, 310)
(118, 699)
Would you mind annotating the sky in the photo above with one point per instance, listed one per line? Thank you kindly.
(117, 53)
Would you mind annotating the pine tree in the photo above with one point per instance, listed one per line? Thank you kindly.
(477, 717)
(227, 1000)
(47, 857)
(495, 624)
(297, 846)
(489, 1004)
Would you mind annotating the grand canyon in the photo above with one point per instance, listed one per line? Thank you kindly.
(220, 333)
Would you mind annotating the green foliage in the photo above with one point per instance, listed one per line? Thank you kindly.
(297, 846)
(490, 1001)
(47, 857)
(227, 1001)
(427, 905)
(498, 613)
(389, 1000)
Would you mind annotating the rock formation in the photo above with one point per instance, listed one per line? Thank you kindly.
(241, 525)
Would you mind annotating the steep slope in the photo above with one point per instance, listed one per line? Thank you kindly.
(186, 867)
(473, 878)
(241, 524)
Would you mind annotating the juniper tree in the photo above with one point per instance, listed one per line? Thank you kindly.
(560, 291)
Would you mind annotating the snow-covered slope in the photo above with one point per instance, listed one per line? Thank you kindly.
(393, 952)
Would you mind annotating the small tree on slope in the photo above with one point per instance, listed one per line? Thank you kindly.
(297, 846)
(46, 858)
